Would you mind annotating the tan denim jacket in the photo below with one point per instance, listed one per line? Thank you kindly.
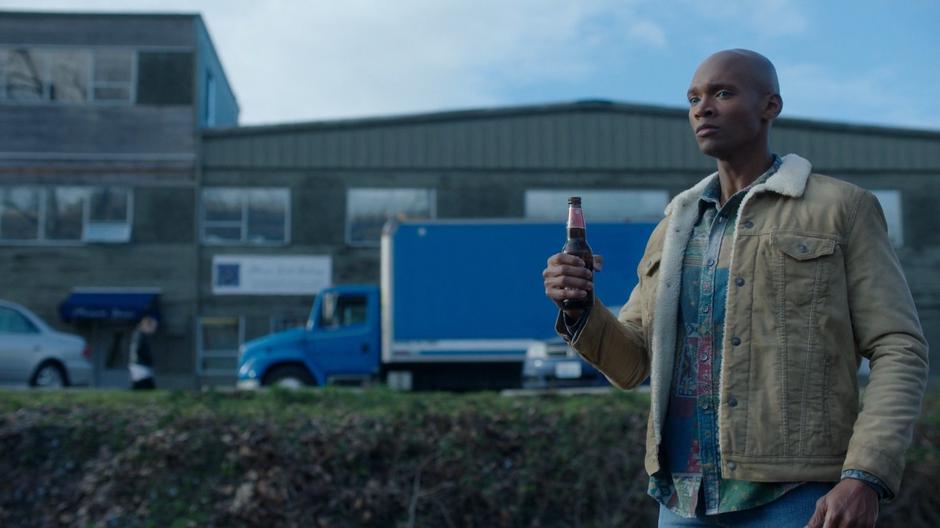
(822, 288)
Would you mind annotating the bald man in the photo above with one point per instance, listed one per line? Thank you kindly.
(759, 293)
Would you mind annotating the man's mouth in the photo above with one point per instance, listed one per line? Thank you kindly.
(705, 130)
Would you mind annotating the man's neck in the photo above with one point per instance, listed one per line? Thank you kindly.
(735, 175)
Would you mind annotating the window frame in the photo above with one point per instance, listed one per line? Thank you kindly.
(42, 238)
(432, 212)
(897, 236)
(209, 113)
(90, 98)
(202, 353)
(562, 212)
(244, 193)
(132, 82)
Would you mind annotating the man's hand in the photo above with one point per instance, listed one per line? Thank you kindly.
(850, 504)
(567, 278)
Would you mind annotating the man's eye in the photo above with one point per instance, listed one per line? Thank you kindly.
(693, 100)
(723, 93)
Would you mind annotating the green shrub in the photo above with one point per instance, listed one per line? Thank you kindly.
(341, 457)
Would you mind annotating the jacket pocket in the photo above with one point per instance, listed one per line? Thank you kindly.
(803, 267)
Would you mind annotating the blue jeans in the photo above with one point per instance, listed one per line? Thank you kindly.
(792, 509)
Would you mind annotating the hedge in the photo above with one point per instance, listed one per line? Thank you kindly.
(341, 457)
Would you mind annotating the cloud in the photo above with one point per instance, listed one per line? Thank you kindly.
(770, 18)
(294, 60)
(810, 90)
(648, 32)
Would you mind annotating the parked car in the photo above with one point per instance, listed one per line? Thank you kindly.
(554, 364)
(32, 353)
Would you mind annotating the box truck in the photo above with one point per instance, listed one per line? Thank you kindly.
(459, 304)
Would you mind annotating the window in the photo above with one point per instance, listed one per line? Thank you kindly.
(245, 216)
(113, 74)
(890, 201)
(210, 100)
(611, 205)
(66, 75)
(65, 214)
(165, 78)
(367, 210)
(45, 75)
(219, 340)
(21, 74)
(13, 322)
(338, 311)
(19, 213)
(108, 215)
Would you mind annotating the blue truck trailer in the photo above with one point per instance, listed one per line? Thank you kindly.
(459, 304)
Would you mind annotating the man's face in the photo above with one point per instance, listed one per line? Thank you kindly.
(148, 325)
(725, 109)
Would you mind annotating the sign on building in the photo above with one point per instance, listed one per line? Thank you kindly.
(270, 275)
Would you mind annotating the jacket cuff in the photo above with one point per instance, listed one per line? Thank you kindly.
(574, 327)
(884, 494)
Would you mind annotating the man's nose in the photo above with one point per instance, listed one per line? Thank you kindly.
(704, 109)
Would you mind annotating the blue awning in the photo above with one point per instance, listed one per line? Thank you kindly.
(109, 306)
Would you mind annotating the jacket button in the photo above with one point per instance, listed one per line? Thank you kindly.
(732, 402)
(739, 281)
(803, 248)
(735, 340)
(748, 224)
(732, 466)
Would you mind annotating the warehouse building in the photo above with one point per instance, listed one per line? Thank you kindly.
(127, 184)
(339, 181)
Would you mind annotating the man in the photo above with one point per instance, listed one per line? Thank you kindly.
(140, 359)
(758, 295)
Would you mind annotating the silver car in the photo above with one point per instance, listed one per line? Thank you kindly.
(33, 353)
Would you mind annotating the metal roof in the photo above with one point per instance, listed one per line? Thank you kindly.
(586, 135)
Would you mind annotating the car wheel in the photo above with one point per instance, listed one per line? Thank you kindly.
(289, 377)
(49, 375)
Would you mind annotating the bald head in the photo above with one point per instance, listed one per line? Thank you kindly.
(750, 66)
(733, 99)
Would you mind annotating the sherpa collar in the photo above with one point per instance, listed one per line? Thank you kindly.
(789, 180)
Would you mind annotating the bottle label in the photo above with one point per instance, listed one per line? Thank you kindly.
(575, 217)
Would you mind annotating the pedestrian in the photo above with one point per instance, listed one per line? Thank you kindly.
(140, 358)
(759, 294)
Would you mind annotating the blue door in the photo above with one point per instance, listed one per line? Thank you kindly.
(345, 343)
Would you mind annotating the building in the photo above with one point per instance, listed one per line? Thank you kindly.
(100, 119)
(340, 180)
(131, 184)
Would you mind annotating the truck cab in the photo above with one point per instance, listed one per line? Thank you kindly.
(340, 344)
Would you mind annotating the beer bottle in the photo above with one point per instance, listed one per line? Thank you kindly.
(577, 245)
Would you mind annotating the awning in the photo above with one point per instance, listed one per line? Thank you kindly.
(109, 305)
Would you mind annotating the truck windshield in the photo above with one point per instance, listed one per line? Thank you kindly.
(340, 311)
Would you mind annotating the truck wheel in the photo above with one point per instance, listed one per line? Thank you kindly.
(289, 377)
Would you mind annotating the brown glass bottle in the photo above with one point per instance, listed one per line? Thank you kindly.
(577, 245)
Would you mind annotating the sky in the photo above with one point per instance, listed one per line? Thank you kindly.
(862, 61)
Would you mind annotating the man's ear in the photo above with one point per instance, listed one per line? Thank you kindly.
(773, 104)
